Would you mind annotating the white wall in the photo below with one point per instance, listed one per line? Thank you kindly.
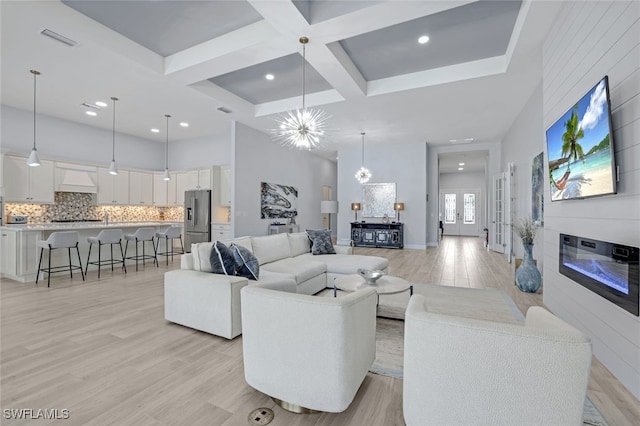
(67, 140)
(589, 40)
(402, 164)
(259, 159)
(201, 152)
(524, 140)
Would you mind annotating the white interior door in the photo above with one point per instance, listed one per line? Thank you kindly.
(496, 239)
(460, 215)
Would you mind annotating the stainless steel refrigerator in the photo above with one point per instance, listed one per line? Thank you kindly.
(197, 217)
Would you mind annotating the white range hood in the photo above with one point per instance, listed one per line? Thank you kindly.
(76, 178)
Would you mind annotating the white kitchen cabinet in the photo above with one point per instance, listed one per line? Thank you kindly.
(172, 191)
(113, 189)
(204, 179)
(8, 253)
(140, 188)
(161, 190)
(19, 254)
(221, 232)
(27, 184)
(224, 184)
(183, 183)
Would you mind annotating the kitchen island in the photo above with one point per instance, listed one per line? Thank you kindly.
(20, 254)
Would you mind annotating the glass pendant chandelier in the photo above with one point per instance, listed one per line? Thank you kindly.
(363, 175)
(112, 167)
(303, 128)
(166, 175)
(33, 159)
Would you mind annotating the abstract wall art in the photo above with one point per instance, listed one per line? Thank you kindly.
(537, 193)
(278, 201)
(378, 199)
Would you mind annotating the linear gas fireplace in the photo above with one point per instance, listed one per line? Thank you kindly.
(608, 269)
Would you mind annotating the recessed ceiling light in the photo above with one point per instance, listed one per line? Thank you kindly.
(469, 139)
(423, 39)
(460, 168)
(91, 113)
(101, 104)
(184, 124)
(155, 130)
(460, 164)
(269, 76)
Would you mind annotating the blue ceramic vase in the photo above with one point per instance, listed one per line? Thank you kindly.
(528, 277)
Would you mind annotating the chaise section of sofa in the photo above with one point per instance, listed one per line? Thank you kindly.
(198, 298)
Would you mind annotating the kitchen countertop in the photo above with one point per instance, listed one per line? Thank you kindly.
(69, 226)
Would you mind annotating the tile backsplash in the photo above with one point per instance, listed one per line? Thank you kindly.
(80, 206)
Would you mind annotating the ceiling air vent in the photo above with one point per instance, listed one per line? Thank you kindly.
(60, 38)
(224, 109)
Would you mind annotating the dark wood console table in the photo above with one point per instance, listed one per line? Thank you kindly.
(389, 235)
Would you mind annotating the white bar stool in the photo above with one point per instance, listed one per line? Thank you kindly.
(141, 235)
(106, 236)
(57, 240)
(170, 233)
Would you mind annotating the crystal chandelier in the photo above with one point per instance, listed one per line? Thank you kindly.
(363, 175)
(303, 128)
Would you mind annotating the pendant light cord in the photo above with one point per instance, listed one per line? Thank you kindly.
(113, 135)
(35, 74)
(166, 150)
(304, 41)
(362, 148)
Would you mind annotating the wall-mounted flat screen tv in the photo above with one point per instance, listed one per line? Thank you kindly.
(580, 148)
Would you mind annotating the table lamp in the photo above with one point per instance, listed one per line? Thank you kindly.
(398, 207)
(355, 207)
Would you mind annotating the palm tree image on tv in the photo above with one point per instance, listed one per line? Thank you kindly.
(584, 128)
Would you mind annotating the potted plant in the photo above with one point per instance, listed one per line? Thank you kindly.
(528, 276)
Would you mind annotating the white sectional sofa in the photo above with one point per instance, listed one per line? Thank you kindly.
(197, 298)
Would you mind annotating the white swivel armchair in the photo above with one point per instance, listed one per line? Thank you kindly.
(460, 371)
(308, 353)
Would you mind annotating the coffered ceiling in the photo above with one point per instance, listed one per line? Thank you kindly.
(365, 68)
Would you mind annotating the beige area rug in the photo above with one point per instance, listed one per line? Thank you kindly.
(488, 304)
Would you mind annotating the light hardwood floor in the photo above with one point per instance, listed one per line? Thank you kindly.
(102, 350)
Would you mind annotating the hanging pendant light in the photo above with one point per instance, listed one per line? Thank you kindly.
(33, 159)
(363, 175)
(112, 167)
(303, 128)
(166, 175)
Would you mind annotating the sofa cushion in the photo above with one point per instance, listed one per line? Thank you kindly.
(323, 237)
(246, 263)
(276, 279)
(222, 261)
(346, 264)
(301, 269)
(201, 252)
(271, 248)
(322, 244)
(299, 243)
(240, 241)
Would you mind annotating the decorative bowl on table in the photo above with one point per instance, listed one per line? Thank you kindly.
(370, 276)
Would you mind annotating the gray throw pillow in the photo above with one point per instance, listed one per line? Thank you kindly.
(246, 263)
(222, 261)
(321, 242)
(313, 233)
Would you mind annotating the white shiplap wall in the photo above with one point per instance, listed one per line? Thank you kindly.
(587, 41)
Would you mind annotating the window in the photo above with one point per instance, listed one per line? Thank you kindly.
(449, 208)
(469, 209)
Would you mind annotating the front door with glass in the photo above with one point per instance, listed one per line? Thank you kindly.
(460, 212)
